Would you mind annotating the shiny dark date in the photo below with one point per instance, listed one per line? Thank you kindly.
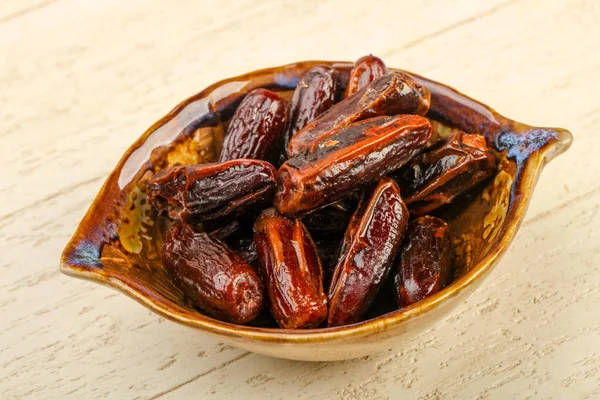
(353, 172)
(391, 94)
(366, 70)
(210, 191)
(256, 127)
(444, 171)
(215, 278)
(315, 93)
(368, 250)
(425, 264)
(350, 158)
(291, 271)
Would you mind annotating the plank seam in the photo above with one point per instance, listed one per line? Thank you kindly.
(195, 378)
(61, 192)
(27, 10)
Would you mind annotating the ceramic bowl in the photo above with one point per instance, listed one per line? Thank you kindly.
(117, 243)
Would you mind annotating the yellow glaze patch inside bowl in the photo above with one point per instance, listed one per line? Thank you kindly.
(117, 243)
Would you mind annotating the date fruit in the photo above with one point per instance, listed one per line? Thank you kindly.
(366, 70)
(394, 93)
(342, 167)
(291, 271)
(444, 171)
(425, 264)
(353, 156)
(368, 250)
(314, 94)
(215, 278)
(206, 192)
(256, 127)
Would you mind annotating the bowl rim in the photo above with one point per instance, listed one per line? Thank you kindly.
(531, 171)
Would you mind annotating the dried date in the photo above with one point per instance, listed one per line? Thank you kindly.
(368, 250)
(314, 94)
(334, 186)
(350, 158)
(394, 93)
(210, 191)
(425, 264)
(291, 271)
(215, 278)
(366, 70)
(256, 127)
(444, 171)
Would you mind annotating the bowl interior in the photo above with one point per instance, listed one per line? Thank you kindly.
(118, 241)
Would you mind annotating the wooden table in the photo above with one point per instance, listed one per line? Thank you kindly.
(80, 80)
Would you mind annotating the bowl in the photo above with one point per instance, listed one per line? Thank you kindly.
(117, 243)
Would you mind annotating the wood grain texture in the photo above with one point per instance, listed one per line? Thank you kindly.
(83, 79)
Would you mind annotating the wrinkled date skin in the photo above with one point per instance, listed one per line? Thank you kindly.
(314, 94)
(368, 250)
(366, 70)
(256, 128)
(394, 93)
(425, 264)
(446, 170)
(350, 158)
(206, 192)
(291, 271)
(215, 278)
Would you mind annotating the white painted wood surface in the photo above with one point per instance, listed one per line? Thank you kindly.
(80, 80)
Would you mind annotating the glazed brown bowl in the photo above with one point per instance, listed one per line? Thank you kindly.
(117, 243)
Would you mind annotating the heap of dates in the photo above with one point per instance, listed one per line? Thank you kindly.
(316, 239)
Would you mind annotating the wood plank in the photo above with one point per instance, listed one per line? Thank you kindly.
(14, 9)
(534, 69)
(87, 94)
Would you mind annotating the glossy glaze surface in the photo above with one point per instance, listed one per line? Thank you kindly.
(117, 224)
